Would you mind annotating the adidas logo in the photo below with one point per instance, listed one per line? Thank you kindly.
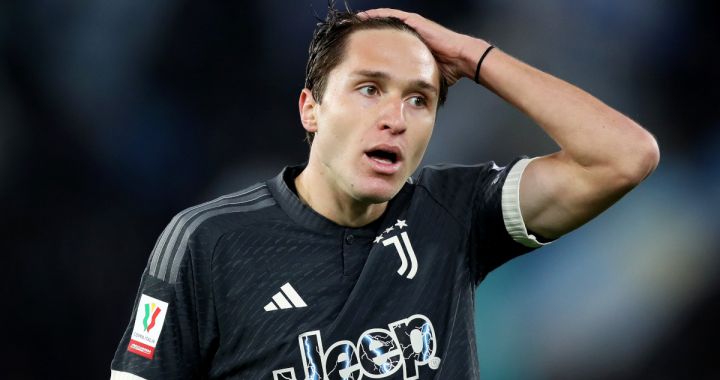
(286, 298)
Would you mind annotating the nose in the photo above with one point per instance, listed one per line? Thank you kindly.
(392, 116)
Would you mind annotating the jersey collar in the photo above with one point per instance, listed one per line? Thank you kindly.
(306, 216)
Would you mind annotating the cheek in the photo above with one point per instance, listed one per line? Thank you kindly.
(346, 124)
(421, 140)
(337, 135)
(424, 131)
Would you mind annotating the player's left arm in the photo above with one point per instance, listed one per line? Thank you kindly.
(603, 153)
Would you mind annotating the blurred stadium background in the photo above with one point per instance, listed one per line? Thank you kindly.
(114, 115)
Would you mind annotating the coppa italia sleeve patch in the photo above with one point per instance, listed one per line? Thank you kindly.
(149, 321)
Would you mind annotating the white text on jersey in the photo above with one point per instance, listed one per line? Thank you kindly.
(408, 344)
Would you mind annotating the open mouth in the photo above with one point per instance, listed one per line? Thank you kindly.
(383, 156)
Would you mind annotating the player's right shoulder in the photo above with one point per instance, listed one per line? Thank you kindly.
(205, 222)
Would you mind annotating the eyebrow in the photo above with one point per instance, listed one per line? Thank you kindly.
(380, 75)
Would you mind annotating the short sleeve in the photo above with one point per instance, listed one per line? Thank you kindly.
(165, 338)
(474, 195)
(512, 217)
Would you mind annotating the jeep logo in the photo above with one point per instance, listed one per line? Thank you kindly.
(407, 344)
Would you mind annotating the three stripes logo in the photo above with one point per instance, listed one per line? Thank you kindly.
(408, 260)
(286, 298)
(172, 245)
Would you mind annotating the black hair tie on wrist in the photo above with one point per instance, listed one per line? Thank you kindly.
(482, 58)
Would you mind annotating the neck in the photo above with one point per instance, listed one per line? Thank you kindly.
(318, 193)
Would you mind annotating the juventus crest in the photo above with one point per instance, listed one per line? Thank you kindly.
(401, 242)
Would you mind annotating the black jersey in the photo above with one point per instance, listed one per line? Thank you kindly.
(256, 285)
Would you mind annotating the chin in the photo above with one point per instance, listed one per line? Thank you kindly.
(373, 198)
(377, 192)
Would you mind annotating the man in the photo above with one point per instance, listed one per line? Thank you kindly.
(348, 267)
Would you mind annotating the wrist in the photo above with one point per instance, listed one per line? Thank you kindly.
(470, 55)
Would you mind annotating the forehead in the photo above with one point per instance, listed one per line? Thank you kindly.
(399, 53)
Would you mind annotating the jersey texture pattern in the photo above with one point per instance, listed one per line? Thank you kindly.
(256, 285)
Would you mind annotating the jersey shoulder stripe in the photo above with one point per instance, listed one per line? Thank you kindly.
(170, 247)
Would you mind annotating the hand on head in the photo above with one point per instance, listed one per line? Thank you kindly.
(454, 52)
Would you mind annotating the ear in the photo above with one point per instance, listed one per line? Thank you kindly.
(307, 107)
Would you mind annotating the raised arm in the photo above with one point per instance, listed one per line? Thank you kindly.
(603, 153)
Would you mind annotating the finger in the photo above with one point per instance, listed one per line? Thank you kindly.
(383, 12)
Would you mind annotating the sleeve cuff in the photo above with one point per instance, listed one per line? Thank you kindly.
(119, 375)
(514, 223)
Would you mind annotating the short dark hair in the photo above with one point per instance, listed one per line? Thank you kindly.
(328, 46)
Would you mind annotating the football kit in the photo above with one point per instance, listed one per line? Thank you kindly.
(257, 285)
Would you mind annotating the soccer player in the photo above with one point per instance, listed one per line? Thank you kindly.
(347, 267)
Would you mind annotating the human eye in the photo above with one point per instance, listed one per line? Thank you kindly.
(418, 101)
(369, 90)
